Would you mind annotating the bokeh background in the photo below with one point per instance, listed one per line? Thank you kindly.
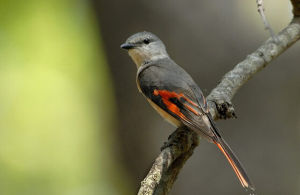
(72, 121)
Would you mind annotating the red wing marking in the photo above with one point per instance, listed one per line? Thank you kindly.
(191, 109)
(166, 95)
(190, 101)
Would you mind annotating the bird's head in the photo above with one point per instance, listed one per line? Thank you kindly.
(144, 47)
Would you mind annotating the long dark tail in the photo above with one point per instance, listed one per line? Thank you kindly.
(235, 163)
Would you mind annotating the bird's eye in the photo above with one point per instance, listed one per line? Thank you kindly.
(146, 41)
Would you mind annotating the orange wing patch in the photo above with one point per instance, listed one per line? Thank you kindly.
(191, 109)
(166, 95)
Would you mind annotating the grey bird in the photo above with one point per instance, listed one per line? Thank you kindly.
(172, 92)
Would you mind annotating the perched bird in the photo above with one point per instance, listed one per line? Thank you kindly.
(172, 92)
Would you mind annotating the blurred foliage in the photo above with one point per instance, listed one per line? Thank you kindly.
(56, 105)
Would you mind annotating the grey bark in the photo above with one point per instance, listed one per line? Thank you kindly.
(182, 142)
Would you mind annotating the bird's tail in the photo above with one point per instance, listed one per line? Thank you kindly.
(236, 165)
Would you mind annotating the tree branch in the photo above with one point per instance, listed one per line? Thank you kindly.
(175, 152)
(261, 9)
(245, 70)
(182, 142)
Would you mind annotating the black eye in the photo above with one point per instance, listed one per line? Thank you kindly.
(146, 41)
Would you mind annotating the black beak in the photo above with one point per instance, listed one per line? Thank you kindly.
(127, 46)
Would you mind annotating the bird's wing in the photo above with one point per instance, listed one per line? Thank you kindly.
(178, 96)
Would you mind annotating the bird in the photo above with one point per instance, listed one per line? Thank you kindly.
(173, 93)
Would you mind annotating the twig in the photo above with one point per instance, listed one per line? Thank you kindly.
(260, 8)
(182, 142)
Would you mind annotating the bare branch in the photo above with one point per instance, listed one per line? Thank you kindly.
(242, 72)
(260, 8)
(175, 152)
(182, 142)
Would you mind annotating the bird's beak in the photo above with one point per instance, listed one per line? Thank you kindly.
(127, 46)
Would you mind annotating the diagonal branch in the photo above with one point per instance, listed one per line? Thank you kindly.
(245, 70)
(182, 142)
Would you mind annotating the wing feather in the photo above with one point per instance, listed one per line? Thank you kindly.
(178, 95)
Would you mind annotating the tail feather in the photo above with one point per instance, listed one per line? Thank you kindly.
(236, 165)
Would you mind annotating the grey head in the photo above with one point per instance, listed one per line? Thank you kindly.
(144, 47)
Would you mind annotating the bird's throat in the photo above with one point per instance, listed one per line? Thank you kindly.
(141, 58)
(138, 57)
